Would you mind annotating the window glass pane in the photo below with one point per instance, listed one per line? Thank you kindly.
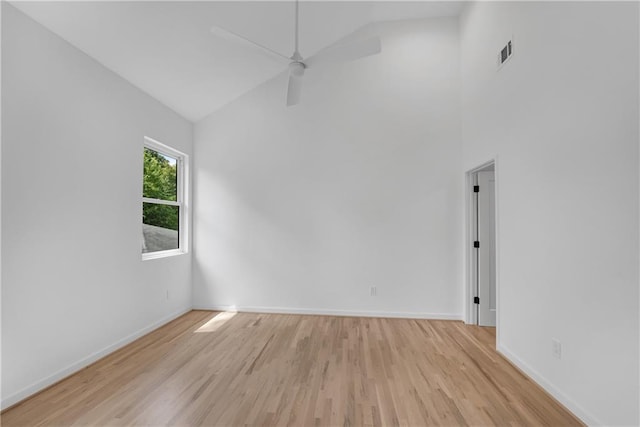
(159, 227)
(160, 176)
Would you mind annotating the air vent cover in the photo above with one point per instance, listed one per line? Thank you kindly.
(505, 53)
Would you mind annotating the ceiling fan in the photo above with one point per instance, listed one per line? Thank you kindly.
(297, 64)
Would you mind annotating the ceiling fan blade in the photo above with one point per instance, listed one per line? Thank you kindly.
(236, 38)
(294, 89)
(345, 52)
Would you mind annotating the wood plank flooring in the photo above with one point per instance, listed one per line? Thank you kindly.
(220, 369)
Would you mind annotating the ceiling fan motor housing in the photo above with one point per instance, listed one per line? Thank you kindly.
(296, 68)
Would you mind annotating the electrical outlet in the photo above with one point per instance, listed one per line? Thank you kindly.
(374, 291)
(556, 348)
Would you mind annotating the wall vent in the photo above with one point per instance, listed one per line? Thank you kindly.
(505, 54)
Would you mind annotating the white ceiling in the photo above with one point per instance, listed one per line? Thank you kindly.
(167, 49)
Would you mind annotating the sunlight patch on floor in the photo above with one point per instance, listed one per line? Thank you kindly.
(217, 321)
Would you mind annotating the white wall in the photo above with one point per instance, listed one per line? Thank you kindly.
(562, 116)
(73, 283)
(1, 8)
(303, 209)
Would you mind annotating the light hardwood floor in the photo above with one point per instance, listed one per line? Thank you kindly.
(208, 368)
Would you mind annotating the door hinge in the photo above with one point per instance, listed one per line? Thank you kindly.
(476, 244)
(476, 188)
(476, 300)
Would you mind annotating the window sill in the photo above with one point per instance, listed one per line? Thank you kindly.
(162, 254)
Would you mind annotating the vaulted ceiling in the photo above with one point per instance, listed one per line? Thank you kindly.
(167, 48)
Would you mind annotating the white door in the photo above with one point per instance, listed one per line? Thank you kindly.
(486, 254)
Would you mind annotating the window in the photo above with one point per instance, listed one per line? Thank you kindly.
(164, 216)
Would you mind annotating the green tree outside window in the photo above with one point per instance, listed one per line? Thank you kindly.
(160, 182)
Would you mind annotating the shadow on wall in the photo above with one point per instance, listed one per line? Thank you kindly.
(246, 245)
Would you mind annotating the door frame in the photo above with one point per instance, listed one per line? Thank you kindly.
(470, 314)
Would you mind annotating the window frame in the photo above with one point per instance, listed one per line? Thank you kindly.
(182, 190)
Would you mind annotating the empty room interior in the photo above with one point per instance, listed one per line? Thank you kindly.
(328, 213)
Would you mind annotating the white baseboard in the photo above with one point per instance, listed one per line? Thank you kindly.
(75, 367)
(329, 312)
(576, 409)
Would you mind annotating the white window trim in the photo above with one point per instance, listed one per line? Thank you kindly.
(182, 161)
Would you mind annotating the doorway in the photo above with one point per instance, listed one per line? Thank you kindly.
(482, 304)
